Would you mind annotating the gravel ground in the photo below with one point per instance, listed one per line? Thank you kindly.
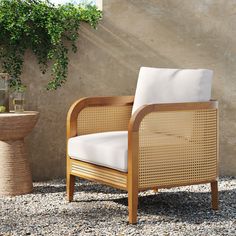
(100, 210)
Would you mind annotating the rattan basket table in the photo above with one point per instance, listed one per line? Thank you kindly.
(15, 173)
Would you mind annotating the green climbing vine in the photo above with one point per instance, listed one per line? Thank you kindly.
(45, 29)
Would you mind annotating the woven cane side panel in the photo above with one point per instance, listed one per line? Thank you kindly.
(103, 118)
(94, 172)
(178, 148)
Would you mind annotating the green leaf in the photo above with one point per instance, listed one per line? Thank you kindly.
(44, 29)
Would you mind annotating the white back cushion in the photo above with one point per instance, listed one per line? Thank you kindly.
(162, 85)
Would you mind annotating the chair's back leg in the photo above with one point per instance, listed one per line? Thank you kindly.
(214, 195)
(70, 186)
(155, 190)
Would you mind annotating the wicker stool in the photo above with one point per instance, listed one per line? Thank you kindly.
(15, 174)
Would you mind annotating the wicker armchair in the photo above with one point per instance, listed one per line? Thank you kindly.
(169, 145)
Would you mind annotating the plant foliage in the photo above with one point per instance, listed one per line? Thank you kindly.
(45, 29)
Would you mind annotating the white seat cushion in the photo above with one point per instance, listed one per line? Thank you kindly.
(162, 85)
(109, 149)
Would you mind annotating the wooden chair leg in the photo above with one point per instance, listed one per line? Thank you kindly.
(70, 187)
(214, 195)
(133, 205)
(155, 190)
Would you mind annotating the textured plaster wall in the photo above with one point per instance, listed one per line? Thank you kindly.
(134, 33)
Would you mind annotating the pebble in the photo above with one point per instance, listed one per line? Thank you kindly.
(101, 210)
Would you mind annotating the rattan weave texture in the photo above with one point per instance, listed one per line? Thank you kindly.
(178, 148)
(94, 119)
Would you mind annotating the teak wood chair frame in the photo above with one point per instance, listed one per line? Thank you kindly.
(193, 160)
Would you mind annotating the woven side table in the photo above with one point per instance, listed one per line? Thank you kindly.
(15, 174)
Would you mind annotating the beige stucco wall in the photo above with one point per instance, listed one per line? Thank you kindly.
(134, 33)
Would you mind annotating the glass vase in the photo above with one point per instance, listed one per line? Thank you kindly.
(4, 92)
(18, 101)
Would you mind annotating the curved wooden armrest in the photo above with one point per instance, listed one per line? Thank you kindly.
(164, 137)
(82, 103)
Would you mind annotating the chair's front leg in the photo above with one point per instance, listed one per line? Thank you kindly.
(133, 204)
(70, 187)
(133, 177)
(70, 182)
